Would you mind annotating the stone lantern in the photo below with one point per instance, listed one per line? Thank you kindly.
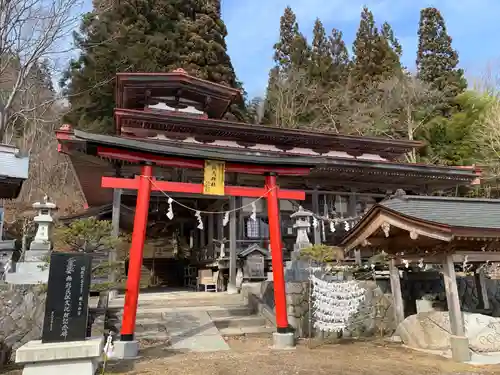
(302, 224)
(296, 269)
(34, 268)
(40, 246)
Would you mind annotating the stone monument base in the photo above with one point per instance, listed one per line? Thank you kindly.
(41, 253)
(63, 358)
(125, 349)
(283, 341)
(296, 271)
(29, 273)
(460, 348)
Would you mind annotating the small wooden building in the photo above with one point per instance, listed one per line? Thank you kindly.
(442, 231)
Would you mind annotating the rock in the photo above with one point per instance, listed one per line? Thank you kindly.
(428, 330)
(431, 330)
(21, 311)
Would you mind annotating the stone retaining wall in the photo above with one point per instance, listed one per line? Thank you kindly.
(21, 317)
(374, 317)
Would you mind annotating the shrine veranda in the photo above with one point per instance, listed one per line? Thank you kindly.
(151, 179)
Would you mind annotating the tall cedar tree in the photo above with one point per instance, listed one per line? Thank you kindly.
(201, 45)
(437, 61)
(395, 51)
(321, 58)
(142, 36)
(375, 56)
(291, 53)
(292, 50)
(340, 57)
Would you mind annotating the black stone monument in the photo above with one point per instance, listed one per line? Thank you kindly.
(66, 307)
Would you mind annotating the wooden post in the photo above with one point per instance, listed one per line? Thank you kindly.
(240, 220)
(450, 282)
(482, 292)
(115, 232)
(136, 254)
(351, 212)
(458, 341)
(315, 209)
(220, 227)
(210, 242)
(399, 311)
(231, 287)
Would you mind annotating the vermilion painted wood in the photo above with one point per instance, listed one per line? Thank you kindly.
(136, 254)
(167, 161)
(183, 187)
(273, 213)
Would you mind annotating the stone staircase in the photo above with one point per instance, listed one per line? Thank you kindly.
(240, 321)
(163, 316)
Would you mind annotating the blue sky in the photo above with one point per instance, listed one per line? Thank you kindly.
(253, 27)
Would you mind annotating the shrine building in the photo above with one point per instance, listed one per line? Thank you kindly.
(201, 193)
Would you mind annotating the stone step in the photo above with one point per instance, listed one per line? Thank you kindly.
(153, 336)
(246, 331)
(162, 298)
(218, 310)
(230, 312)
(240, 321)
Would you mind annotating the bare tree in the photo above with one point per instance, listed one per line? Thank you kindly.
(489, 80)
(488, 134)
(290, 98)
(341, 112)
(31, 32)
(34, 36)
(406, 104)
(397, 108)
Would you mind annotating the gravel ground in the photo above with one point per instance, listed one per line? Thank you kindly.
(252, 356)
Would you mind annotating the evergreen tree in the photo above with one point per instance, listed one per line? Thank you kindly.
(201, 45)
(292, 50)
(340, 57)
(292, 58)
(321, 58)
(375, 56)
(142, 36)
(437, 61)
(269, 102)
(458, 139)
(391, 47)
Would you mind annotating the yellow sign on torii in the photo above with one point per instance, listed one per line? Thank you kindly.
(213, 178)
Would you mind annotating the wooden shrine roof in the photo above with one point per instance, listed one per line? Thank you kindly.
(326, 172)
(144, 124)
(435, 217)
(88, 142)
(14, 170)
(450, 211)
(136, 90)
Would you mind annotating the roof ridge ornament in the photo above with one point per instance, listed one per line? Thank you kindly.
(400, 194)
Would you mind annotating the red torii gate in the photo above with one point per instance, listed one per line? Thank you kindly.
(144, 185)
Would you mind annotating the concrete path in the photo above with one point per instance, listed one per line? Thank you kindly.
(184, 318)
